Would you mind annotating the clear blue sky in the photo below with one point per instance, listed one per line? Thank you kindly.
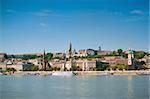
(29, 26)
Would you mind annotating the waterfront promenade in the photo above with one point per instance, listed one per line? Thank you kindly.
(82, 73)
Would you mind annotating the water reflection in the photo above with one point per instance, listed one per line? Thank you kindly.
(130, 87)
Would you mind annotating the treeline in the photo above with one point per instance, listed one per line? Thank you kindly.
(48, 56)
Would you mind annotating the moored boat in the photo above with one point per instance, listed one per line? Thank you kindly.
(62, 73)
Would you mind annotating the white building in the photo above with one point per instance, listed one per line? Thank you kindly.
(130, 57)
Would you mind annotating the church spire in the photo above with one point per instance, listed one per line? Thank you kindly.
(70, 50)
(70, 47)
(44, 60)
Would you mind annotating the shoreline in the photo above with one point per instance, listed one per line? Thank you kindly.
(83, 73)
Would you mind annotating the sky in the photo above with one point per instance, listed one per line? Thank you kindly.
(30, 26)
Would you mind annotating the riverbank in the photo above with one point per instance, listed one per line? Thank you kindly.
(81, 73)
(101, 73)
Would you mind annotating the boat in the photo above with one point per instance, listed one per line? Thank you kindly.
(62, 73)
(1, 73)
(143, 73)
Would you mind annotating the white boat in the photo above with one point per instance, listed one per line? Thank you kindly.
(1, 73)
(62, 73)
(143, 73)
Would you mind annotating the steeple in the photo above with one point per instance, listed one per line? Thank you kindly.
(44, 53)
(69, 51)
(70, 47)
(44, 61)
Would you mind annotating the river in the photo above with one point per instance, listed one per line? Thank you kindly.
(75, 87)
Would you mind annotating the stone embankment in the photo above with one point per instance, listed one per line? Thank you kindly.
(82, 73)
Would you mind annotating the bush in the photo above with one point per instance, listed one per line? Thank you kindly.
(10, 70)
(31, 68)
(120, 67)
(100, 66)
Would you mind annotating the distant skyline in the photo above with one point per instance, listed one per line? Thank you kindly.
(30, 26)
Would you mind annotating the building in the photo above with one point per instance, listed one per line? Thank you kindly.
(132, 62)
(148, 61)
(100, 52)
(130, 57)
(58, 64)
(68, 65)
(116, 60)
(59, 55)
(2, 56)
(18, 67)
(37, 62)
(86, 65)
(3, 65)
(82, 53)
(69, 52)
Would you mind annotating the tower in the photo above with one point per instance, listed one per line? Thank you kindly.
(130, 58)
(99, 48)
(69, 53)
(44, 61)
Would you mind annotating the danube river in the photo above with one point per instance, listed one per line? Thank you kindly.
(75, 87)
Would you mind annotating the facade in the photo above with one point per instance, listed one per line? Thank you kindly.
(68, 65)
(59, 55)
(116, 60)
(148, 61)
(82, 53)
(100, 52)
(19, 66)
(87, 52)
(3, 65)
(86, 65)
(130, 57)
(132, 62)
(58, 64)
(2, 56)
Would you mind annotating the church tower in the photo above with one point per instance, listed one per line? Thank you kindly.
(44, 61)
(131, 58)
(69, 53)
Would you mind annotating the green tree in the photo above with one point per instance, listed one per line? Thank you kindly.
(120, 51)
(10, 70)
(101, 66)
(49, 56)
(26, 57)
(73, 67)
(34, 68)
(120, 67)
(139, 55)
(31, 68)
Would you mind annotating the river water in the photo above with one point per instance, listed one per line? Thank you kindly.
(75, 87)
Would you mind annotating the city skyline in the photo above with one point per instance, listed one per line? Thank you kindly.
(29, 26)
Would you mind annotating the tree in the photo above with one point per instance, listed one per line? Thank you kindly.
(120, 67)
(101, 66)
(139, 55)
(31, 68)
(49, 56)
(120, 51)
(34, 68)
(73, 67)
(26, 57)
(10, 70)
